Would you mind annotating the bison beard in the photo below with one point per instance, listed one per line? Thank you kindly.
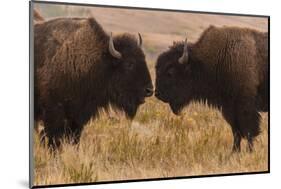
(228, 68)
(80, 69)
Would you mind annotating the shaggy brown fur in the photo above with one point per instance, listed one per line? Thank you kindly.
(76, 75)
(228, 68)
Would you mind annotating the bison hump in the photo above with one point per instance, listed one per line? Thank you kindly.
(230, 55)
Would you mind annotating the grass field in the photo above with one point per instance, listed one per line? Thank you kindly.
(156, 143)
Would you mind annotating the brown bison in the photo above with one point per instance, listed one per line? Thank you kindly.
(80, 69)
(228, 68)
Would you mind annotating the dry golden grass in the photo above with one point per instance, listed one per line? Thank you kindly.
(155, 144)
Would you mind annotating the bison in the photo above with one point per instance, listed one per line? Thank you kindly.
(227, 68)
(80, 69)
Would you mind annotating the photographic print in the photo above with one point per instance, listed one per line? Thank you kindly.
(123, 94)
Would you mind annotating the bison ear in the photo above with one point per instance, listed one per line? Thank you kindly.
(112, 50)
(184, 58)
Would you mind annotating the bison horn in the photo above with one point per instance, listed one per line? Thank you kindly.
(112, 50)
(184, 57)
(140, 40)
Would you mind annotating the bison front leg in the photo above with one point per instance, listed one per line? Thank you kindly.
(249, 120)
(236, 139)
(54, 125)
(74, 131)
(54, 132)
(229, 115)
(250, 142)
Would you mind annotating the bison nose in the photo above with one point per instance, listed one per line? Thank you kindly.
(148, 91)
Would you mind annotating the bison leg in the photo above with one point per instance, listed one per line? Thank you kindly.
(54, 134)
(236, 140)
(229, 116)
(250, 143)
(74, 131)
(68, 129)
(249, 120)
(54, 125)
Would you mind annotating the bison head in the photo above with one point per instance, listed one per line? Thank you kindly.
(174, 78)
(130, 78)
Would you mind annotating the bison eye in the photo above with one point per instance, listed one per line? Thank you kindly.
(171, 72)
(130, 66)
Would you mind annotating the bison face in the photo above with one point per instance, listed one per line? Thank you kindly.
(174, 77)
(130, 80)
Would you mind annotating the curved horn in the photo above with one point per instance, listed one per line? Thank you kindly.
(140, 40)
(112, 50)
(184, 57)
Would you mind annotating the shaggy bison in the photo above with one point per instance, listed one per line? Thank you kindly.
(228, 68)
(80, 69)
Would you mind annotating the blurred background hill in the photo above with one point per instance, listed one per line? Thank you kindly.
(158, 28)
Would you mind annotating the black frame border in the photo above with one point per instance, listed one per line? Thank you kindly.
(31, 74)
